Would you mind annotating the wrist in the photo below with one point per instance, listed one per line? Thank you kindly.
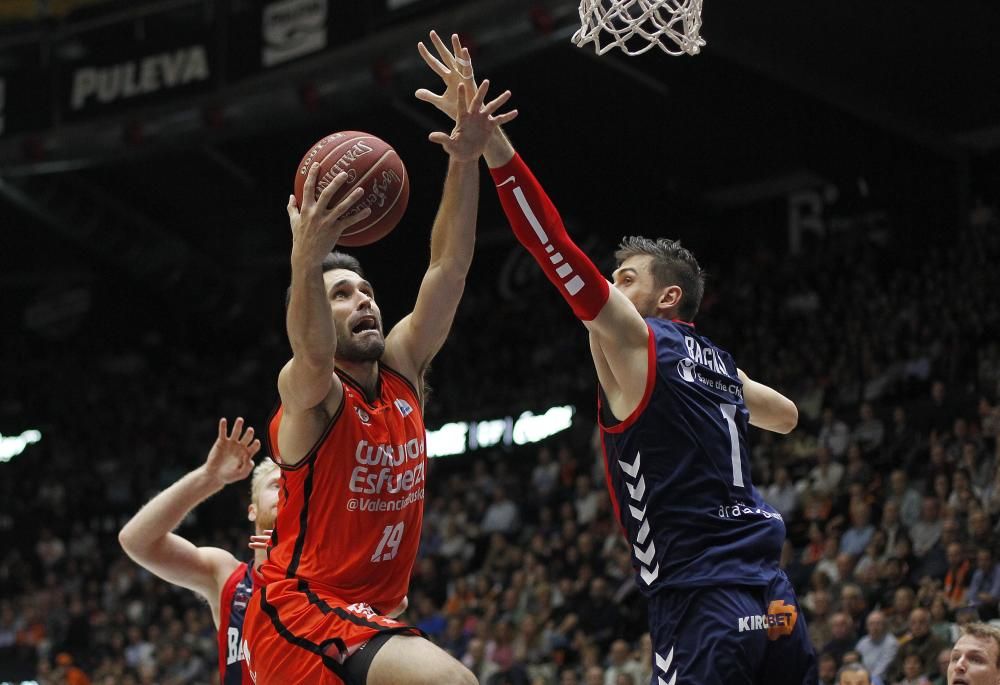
(205, 481)
(499, 150)
(304, 261)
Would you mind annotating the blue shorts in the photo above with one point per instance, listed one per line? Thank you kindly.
(731, 636)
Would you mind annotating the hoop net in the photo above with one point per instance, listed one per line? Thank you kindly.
(636, 26)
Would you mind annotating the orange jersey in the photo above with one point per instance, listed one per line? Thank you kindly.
(350, 513)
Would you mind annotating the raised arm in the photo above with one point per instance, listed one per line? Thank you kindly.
(415, 340)
(147, 537)
(768, 408)
(618, 333)
(307, 381)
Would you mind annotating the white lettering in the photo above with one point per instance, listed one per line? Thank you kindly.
(369, 482)
(233, 654)
(139, 77)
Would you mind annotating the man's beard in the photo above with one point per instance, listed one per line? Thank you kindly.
(265, 520)
(353, 350)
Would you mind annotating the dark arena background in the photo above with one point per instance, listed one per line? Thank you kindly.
(834, 166)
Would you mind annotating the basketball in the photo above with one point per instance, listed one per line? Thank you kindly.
(370, 163)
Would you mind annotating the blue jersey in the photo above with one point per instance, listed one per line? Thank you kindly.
(233, 668)
(679, 473)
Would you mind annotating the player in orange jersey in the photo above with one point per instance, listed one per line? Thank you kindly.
(350, 441)
(215, 574)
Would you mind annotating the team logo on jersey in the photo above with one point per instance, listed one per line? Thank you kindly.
(362, 414)
(779, 621)
(685, 368)
(404, 407)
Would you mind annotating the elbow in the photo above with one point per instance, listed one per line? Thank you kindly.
(130, 541)
(790, 419)
(127, 540)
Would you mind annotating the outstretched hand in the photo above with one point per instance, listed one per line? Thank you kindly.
(475, 124)
(454, 68)
(316, 225)
(231, 457)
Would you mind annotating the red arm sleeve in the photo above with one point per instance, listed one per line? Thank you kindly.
(539, 228)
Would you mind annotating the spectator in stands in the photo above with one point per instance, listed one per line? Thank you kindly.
(926, 532)
(878, 648)
(854, 674)
(914, 672)
(943, 661)
(857, 537)
(501, 515)
(858, 470)
(979, 533)
(545, 474)
(918, 642)
(869, 432)
(989, 494)
(854, 604)
(834, 434)
(941, 624)
(906, 497)
(827, 666)
(782, 494)
(956, 580)
(820, 605)
(842, 636)
(825, 477)
(620, 662)
(984, 587)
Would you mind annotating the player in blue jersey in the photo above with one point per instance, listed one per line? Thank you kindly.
(674, 415)
(215, 574)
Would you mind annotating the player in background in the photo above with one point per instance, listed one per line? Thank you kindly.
(350, 441)
(975, 658)
(215, 574)
(673, 413)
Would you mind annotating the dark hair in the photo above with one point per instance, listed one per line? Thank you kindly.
(334, 260)
(672, 264)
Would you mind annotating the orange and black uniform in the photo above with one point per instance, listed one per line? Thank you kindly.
(346, 537)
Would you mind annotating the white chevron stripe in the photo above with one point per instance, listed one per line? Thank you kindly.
(631, 469)
(647, 556)
(639, 490)
(664, 664)
(649, 576)
(643, 532)
(673, 679)
(661, 681)
(637, 514)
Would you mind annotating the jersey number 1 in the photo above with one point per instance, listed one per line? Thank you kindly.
(729, 413)
(388, 546)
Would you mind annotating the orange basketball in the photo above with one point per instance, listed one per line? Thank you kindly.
(370, 163)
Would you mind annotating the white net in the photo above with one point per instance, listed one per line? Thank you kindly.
(636, 26)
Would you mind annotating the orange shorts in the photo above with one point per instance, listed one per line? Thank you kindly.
(295, 632)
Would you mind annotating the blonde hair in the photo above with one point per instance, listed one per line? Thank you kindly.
(984, 631)
(261, 473)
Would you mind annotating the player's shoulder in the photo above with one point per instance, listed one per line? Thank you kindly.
(223, 566)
